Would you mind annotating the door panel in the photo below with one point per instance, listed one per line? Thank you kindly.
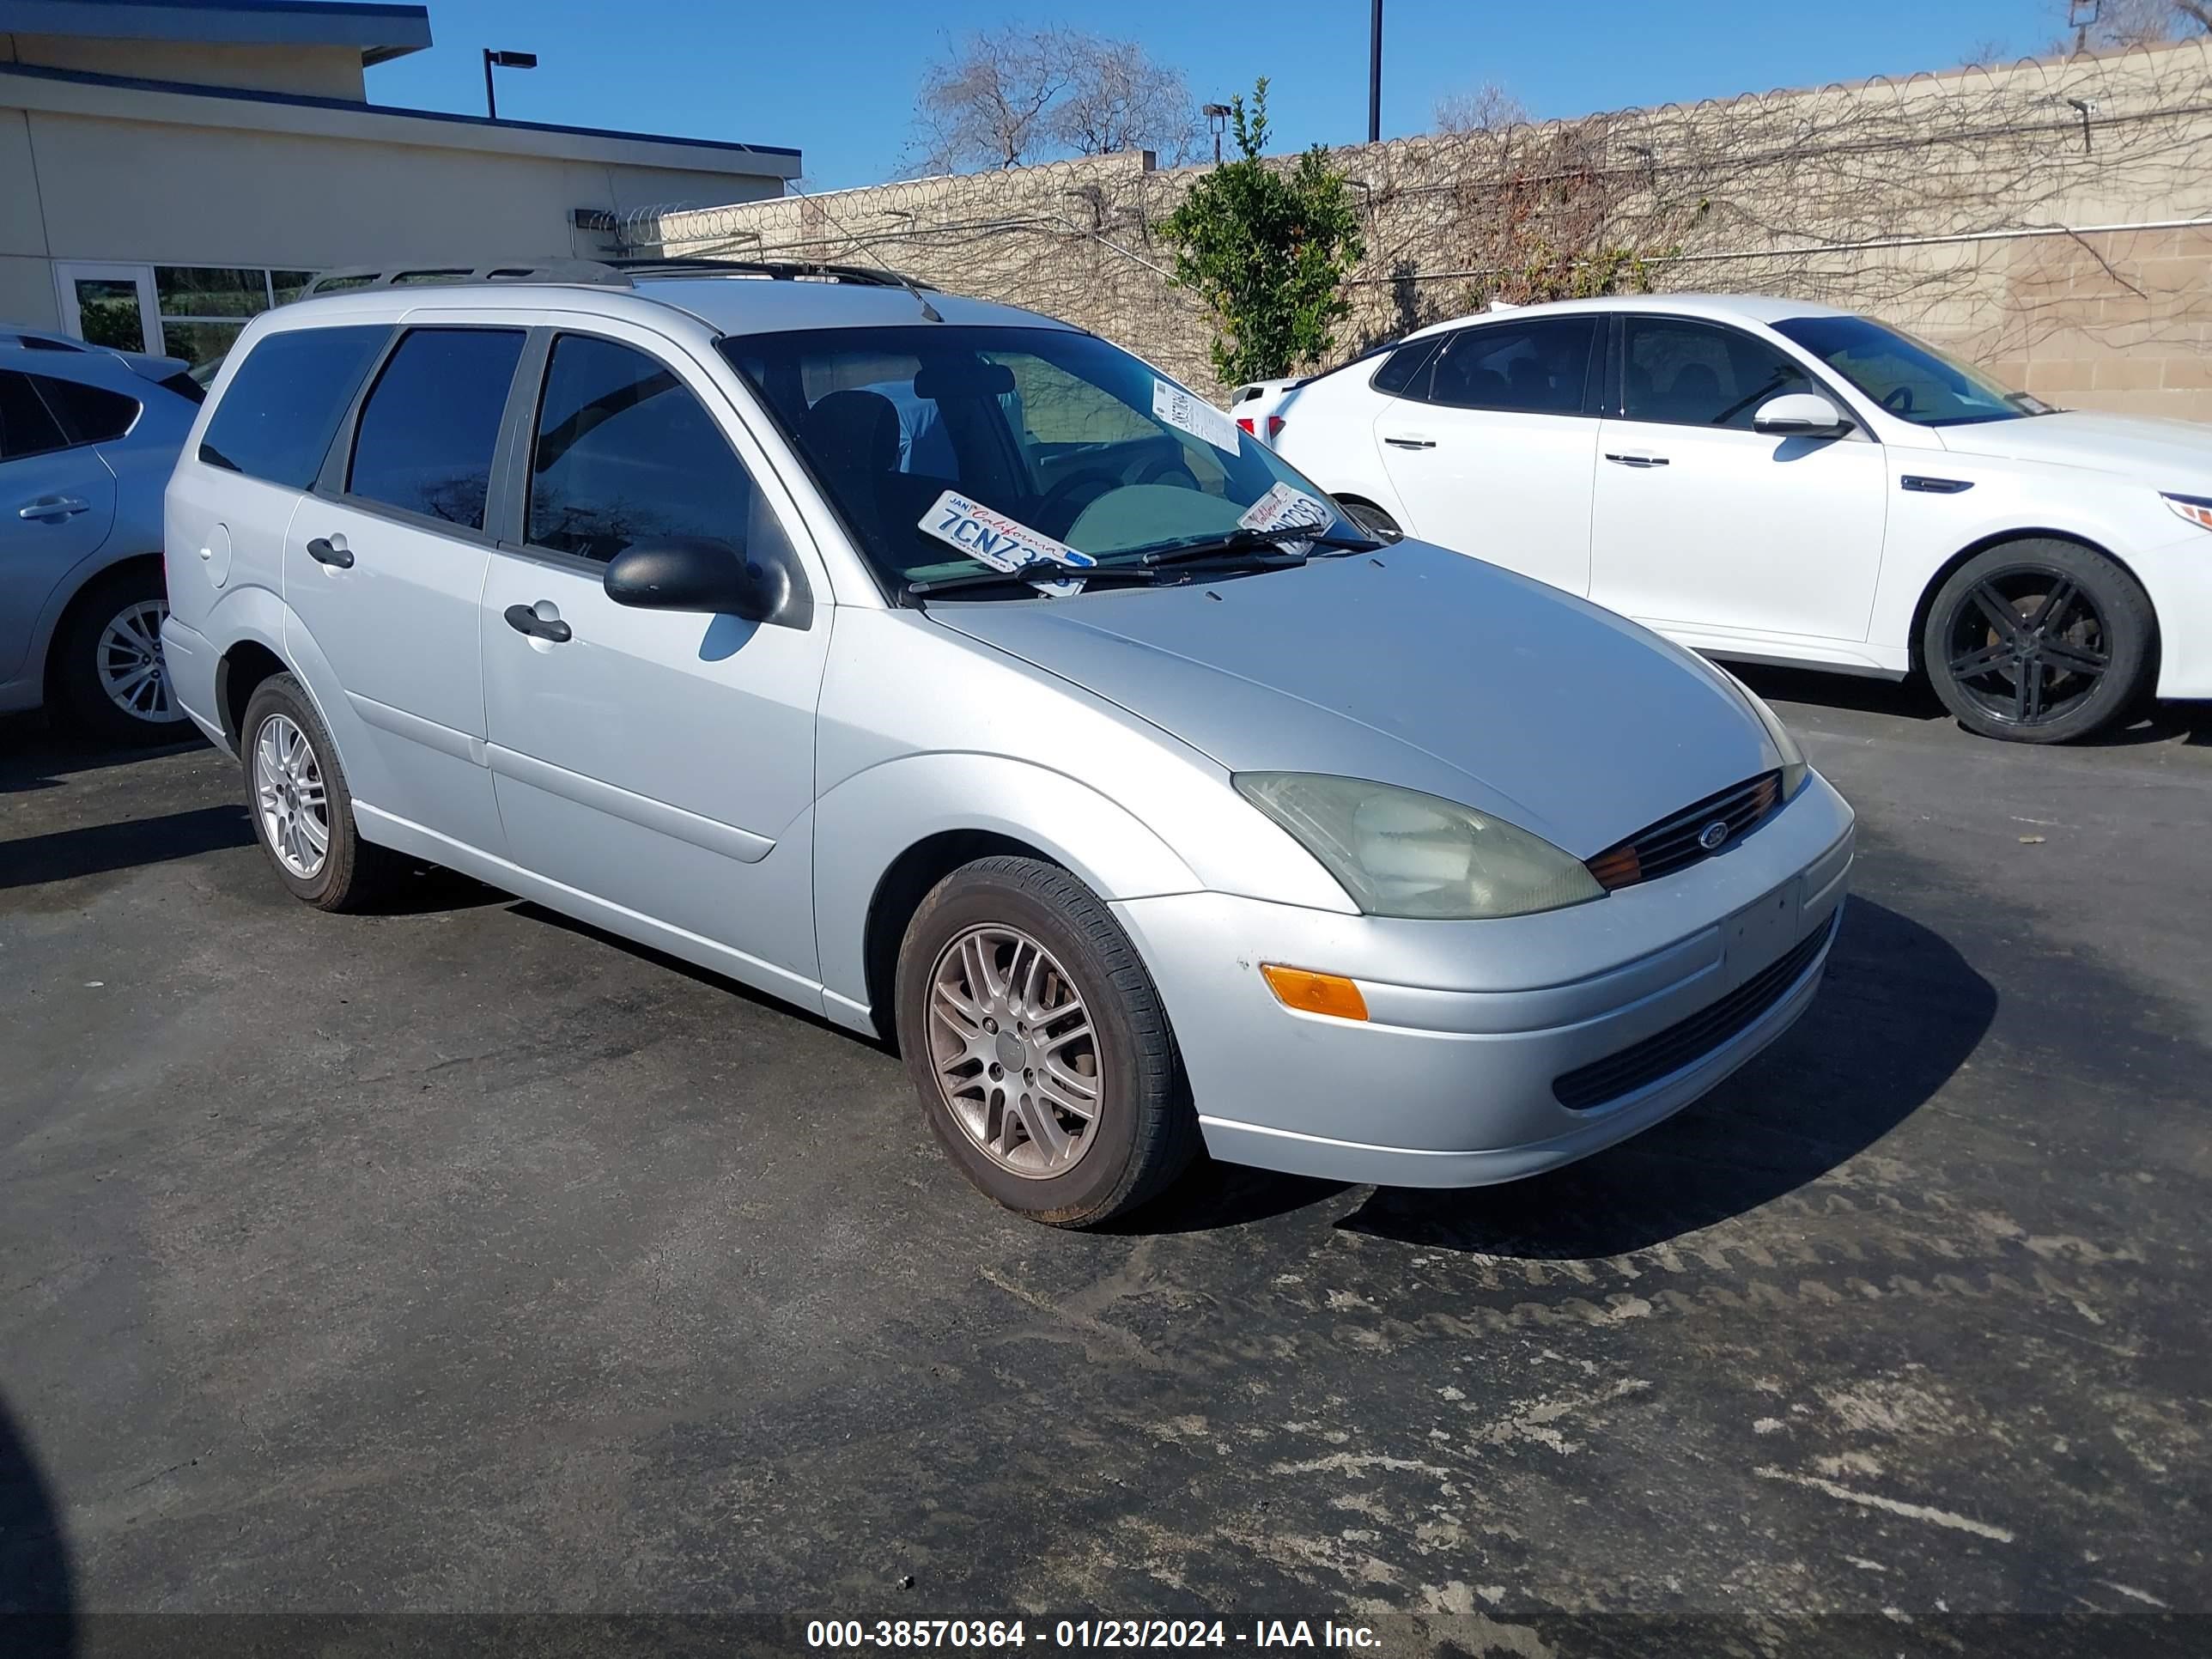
(1736, 531)
(55, 511)
(1489, 450)
(385, 567)
(1704, 525)
(661, 761)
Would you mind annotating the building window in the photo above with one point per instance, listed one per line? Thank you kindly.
(203, 308)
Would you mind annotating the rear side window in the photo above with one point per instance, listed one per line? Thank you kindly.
(431, 423)
(283, 405)
(91, 414)
(1405, 364)
(625, 454)
(1537, 368)
(26, 426)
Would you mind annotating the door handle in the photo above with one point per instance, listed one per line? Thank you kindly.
(1411, 440)
(323, 551)
(1635, 458)
(524, 619)
(53, 506)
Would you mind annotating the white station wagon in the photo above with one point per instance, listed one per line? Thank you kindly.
(1769, 481)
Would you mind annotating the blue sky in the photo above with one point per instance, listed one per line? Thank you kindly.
(836, 78)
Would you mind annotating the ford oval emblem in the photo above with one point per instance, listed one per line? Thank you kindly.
(1713, 835)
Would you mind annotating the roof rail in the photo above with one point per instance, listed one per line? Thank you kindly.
(353, 278)
(778, 269)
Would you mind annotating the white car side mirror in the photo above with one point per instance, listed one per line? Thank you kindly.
(1800, 415)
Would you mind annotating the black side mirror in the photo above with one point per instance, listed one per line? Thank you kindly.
(695, 573)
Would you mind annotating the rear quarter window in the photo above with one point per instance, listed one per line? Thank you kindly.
(276, 418)
(89, 413)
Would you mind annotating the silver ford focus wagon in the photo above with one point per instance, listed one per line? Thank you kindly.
(949, 672)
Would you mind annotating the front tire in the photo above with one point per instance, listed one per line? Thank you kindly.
(2039, 641)
(1372, 519)
(303, 810)
(109, 677)
(1039, 1045)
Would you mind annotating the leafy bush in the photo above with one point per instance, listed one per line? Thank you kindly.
(1267, 248)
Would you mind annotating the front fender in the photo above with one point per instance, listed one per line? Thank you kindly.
(865, 823)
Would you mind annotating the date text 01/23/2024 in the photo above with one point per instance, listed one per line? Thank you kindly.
(1082, 1633)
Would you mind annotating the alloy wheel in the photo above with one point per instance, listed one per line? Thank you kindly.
(288, 788)
(129, 662)
(1013, 1051)
(2028, 645)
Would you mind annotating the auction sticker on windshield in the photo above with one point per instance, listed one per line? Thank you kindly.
(992, 539)
(1285, 508)
(1194, 414)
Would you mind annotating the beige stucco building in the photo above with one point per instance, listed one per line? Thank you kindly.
(167, 168)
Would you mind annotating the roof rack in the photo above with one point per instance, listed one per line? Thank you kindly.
(783, 270)
(352, 278)
(612, 273)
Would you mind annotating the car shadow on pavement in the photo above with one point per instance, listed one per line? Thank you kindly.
(34, 754)
(38, 1597)
(97, 849)
(1899, 1013)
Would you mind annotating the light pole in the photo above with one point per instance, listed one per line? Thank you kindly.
(514, 60)
(1216, 117)
(1374, 74)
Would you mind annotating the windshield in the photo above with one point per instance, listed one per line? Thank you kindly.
(1907, 377)
(951, 450)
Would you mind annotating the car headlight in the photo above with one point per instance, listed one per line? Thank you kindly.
(2197, 509)
(1400, 853)
(1794, 766)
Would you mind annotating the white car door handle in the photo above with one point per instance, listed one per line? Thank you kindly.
(1635, 458)
(53, 506)
(1410, 441)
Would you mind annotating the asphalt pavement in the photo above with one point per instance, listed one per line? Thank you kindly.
(463, 1259)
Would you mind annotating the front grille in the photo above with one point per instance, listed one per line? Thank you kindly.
(1671, 844)
(1688, 1040)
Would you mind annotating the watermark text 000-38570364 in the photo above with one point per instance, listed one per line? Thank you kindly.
(989, 1634)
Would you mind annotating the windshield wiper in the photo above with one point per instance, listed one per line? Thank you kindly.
(1035, 570)
(1255, 541)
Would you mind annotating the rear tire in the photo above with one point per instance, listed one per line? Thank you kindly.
(302, 810)
(2039, 641)
(1039, 1045)
(109, 679)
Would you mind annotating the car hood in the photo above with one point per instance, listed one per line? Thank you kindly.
(2174, 454)
(1413, 666)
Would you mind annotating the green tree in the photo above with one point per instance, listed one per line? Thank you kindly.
(1266, 249)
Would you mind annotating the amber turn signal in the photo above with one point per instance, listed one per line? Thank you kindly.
(1315, 994)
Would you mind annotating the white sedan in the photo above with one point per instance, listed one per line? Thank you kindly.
(1770, 481)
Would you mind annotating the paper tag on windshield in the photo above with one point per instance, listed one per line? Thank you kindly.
(1194, 414)
(1286, 509)
(1004, 544)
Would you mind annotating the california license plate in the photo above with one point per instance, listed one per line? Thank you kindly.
(1759, 933)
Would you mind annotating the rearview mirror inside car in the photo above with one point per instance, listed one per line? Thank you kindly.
(1800, 415)
(938, 381)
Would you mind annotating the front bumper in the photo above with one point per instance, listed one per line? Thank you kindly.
(2177, 576)
(1475, 1030)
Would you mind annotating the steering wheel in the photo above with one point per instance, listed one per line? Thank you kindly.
(1900, 400)
(1061, 493)
(1167, 469)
